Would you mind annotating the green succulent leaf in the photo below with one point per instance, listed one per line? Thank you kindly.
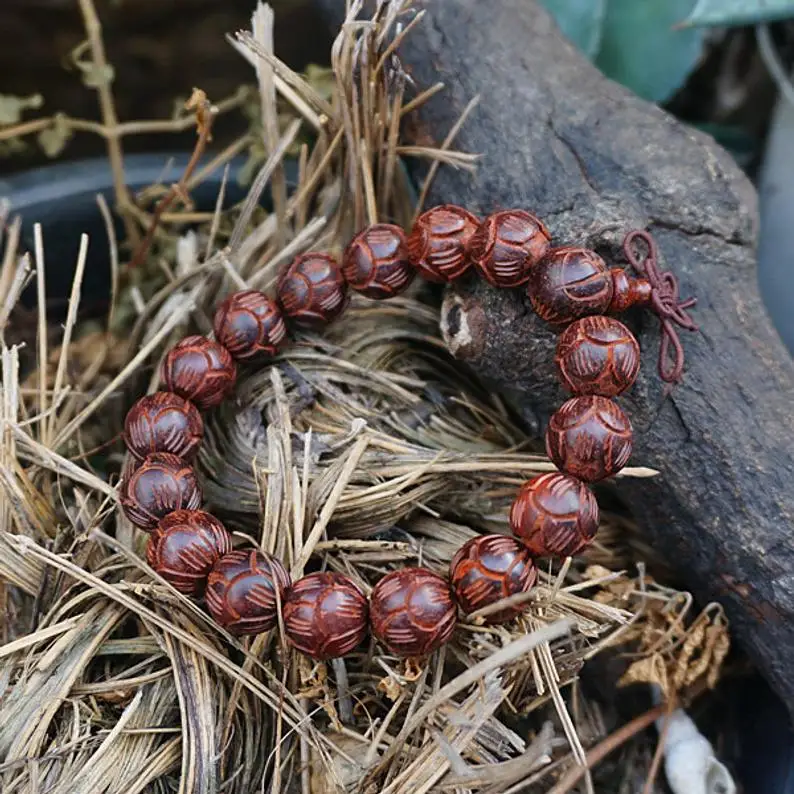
(728, 13)
(580, 21)
(643, 48)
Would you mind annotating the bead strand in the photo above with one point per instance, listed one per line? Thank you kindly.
(411, 611)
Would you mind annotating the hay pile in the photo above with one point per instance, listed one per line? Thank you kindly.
(359, 451)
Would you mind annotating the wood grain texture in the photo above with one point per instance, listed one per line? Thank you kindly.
(593, 161)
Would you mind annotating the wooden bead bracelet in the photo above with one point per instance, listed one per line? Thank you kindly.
(411, 611)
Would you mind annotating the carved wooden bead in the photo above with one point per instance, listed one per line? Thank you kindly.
(554, 515)
(568, 283)
(597, 355)
(200, 370)
(249, 325)
(376, 264)
(161, 484)
(243, 589)
(438, 242)
(488, 569)
(589, 437)
(163, 422)
(325, 615)
(312, 292)
(412, 611)
(184, 546)
(507, 245)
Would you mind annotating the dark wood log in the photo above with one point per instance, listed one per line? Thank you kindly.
(594, 161)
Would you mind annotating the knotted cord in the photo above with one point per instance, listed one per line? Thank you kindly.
(665, 301)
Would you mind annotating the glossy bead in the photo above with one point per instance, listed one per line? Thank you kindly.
(568, 283)
(184, 546)
(507, 245)
(412, 611)
(438, 242)
(249, 325)
(161, 484)
(163, 422)
(554, 515)
(489, 568)
(200, 370)
(628, 291)
(325, 615)
(312, 292)
(243, 589)
(597, 355)
(375, 263)
(589, 438)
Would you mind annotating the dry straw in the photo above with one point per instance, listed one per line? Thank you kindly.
(359, 452)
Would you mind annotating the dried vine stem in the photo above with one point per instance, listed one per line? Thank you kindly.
(108, 108)
(204, 114)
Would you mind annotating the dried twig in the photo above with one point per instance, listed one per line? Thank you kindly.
(204, 112)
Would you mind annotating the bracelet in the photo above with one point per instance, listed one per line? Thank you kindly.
(411, 611)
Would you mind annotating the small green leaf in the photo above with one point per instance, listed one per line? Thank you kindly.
(53, 140)
(641, 48)
(12, 107)
(580, 21)
(738, 12)
(96, 76)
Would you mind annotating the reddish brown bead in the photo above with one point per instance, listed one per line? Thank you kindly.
(375, 263)
(438, 242)
(312, 292)
(589, 437)
(200, 370)
(412, 611)
(184, 546)
(249, 325)
(597, 355)
(243, 589)
(161, 484)
(489, 568)
(569, 283)
(554, 515)
(325, 615)
(628, 291)
(507, 245)
(163, 422)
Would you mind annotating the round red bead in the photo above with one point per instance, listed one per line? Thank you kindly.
(200, 370)
(163, 422)
(184, 546)
(325, 615)
(507, 245)
(376, 264)
(589, 437)
(243, 591)
(312, 292)
(161, 484)
(597, 355)
(554, 515)
(438, 242)
(249, 325)
(568, 283)
(489, 568)
(412, 611)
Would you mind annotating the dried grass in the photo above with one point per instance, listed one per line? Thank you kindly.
(360, 451)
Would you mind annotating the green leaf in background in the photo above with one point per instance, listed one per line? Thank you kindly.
(580, 21)
(738, 12)
(641, 49)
